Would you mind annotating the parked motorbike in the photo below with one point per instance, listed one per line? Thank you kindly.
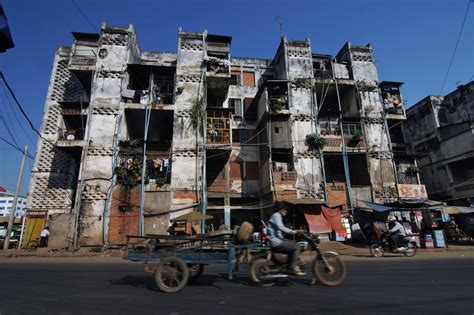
(378, 248)
(326, 267)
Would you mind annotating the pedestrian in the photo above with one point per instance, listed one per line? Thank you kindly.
(44, 237)
(222, 226)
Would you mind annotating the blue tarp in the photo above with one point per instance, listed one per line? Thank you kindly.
(426, 205)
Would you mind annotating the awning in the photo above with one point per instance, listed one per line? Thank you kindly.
(401, 206)
(309, 202)
(458, 210)
(5, 220)
(192, 216)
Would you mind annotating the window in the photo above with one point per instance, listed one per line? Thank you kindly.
(236, 105)
(277, 130)
(235, 78)
(248, 78)
(352, 129)
(3, 201)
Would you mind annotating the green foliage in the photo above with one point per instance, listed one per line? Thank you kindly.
(357, 136)
(412, 169)
(276, 105)
(314, 141)
(198, 113)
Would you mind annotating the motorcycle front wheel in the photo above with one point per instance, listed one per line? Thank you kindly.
(261, 272)
(376, 250)
(330, 271)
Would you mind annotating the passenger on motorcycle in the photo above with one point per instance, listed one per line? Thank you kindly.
(278, 243)
(396, 234)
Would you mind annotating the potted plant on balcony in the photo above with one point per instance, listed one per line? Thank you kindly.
(314, 141)
(412, 169)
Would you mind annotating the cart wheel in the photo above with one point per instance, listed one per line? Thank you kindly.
(195, 271)
(171, 275)
(333, 272)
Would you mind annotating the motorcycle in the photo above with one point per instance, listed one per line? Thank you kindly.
(326, 267)
(378, 248)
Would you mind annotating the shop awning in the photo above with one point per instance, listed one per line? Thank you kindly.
(400, 206)
(309, 202)
(458, 210)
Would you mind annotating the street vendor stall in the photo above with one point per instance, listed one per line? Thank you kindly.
(431, 218)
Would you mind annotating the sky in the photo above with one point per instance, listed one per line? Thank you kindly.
(413, 42)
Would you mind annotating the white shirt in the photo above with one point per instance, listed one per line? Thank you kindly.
(44, 233)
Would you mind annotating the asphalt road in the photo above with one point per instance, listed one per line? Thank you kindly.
(387, 285)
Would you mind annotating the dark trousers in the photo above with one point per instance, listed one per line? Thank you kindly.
(290, 248)
(396, 240)
(43, 241)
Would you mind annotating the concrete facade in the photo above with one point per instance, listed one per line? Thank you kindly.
(440, 132)
(106, 96)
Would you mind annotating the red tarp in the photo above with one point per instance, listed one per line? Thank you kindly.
(327, 221)
(333, 216)
(317, 223)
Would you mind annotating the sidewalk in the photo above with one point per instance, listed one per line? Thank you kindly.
(345, 249)
(360, 249)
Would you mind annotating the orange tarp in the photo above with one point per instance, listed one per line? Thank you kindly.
(333, 216)
(317, 223)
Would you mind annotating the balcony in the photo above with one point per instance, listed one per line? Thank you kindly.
(392, 100)
(71, 138)
(84, 52)
(278, 104)
(218, 128)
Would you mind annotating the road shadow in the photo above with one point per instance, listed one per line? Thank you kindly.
(148, 281)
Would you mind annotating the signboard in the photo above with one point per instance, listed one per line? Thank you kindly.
(412, 192)
(439, 238)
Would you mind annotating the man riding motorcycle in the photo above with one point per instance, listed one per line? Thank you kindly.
(278, 243)
(396, 234)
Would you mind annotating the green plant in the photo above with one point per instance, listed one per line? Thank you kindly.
(314, 141)
(357, 136)
(412, 169)
(198, 113)
(276, 105)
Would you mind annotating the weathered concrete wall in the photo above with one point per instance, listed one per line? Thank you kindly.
(60, 228)
(52, 183)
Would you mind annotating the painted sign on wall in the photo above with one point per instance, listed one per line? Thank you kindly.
(412, 192)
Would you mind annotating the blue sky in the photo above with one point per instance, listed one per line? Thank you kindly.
(413, 42)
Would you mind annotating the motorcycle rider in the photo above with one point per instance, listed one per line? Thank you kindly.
(278, 243)
(396, 234)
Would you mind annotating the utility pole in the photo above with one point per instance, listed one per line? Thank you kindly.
(15, 200)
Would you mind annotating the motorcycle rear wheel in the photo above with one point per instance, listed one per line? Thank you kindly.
(376, 250)
(331, 273)
(259, 268)
(411, 251)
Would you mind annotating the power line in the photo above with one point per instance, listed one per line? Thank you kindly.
(14, 146)
(32, 126)
(15, 115)
(455, 47)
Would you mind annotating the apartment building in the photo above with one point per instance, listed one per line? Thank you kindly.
(439, 130)
(132, 138)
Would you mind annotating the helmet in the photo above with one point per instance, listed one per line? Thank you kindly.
(391, 219)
